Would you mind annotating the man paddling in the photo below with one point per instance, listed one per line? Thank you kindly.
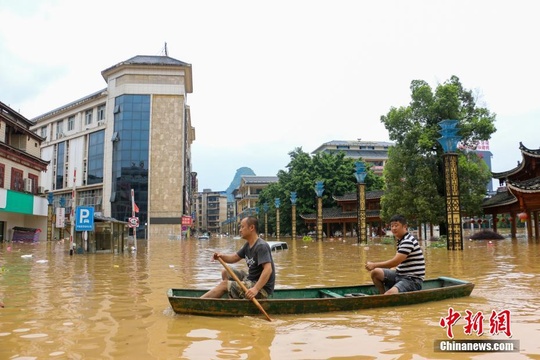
(408, 261)
(261, 275)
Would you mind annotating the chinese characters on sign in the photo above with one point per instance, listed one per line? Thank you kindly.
(499, 322)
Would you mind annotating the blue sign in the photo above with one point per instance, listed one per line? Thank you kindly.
(84, 218)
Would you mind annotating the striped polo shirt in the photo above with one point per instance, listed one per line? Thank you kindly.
(414, 265)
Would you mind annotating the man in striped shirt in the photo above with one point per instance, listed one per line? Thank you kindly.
(409, 263)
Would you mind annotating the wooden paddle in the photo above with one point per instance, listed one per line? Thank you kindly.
(233, 275)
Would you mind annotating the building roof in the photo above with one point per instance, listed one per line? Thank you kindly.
(526, 186)
(356, 153)
(338, 213)
(501, 198)
(253, 179)
(354, 143)
(78, 102)
(525, 154)
(152, 60)
(377, 194)
(14, 116)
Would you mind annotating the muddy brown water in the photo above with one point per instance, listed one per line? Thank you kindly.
(104, 306)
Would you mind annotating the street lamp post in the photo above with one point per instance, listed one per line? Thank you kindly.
(319, 190)
(49, 215)
(62, 203)
(265, 208)
(449, 141)
(277, 202)
(361, 206)
(293, 215)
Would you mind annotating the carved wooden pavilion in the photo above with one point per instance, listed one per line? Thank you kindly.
(344, 217)
(519, 194)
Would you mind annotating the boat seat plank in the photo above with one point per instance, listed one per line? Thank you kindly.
(330, 293)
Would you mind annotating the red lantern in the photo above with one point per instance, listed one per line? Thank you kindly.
(472, 221)
(496, 220)
(523, 216)
(479, 221)
(510, 219)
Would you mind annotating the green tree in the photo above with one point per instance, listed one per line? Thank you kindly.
(414, 172)
(301, 174)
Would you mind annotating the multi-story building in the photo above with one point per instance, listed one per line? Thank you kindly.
(374, 153)
(211, 211)
(134, 136)
(248, 192)
(23, 213)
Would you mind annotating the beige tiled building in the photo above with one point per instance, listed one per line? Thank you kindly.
(135, 134)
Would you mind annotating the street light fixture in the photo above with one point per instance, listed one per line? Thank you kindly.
(361, 202)
(265, 208)
(319, 190)
(50, 210)
(277, 203)
(449, 141)
(293, 214)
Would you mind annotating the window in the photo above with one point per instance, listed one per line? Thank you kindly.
(43, 132)
(2, 171)
(17, 182)
(88, 117)
(71, 123)
(101, 113)
(59, 128)
(34, 180)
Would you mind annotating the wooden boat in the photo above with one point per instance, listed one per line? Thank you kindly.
(317, 299)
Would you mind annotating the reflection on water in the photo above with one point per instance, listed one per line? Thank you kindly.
(103, 306)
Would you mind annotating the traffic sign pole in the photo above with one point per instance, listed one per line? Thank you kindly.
(133, 215)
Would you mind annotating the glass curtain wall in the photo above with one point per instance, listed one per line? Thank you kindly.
(96, 151)
(60, 163)
(130, 157)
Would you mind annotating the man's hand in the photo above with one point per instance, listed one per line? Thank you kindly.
(370, 266)
(251, 293)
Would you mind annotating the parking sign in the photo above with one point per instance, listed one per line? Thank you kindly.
(84, 218)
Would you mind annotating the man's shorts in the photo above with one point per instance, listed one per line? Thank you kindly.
(402, 283)
(236, 291)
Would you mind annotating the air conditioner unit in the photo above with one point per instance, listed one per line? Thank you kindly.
(101, 122)
(28, 185)
(60, 135)
(41, 190)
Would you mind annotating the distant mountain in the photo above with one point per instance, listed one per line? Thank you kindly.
(236, 181)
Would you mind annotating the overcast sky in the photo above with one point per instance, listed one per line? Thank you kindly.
(272, 76)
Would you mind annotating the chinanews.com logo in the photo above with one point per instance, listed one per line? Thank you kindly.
(499, 323)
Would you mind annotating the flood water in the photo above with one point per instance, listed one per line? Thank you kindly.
(105, 306)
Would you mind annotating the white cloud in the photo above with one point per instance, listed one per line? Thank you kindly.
(269, 77)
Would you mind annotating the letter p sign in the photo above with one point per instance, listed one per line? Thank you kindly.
(84, 218)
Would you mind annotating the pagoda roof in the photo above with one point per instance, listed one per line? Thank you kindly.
(526, 186)
(338, 213)
(376, 194)
(501, 198)
(526, 154)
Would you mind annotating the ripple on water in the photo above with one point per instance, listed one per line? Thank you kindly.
(34, 336)
(57, 353)
(21, 330)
